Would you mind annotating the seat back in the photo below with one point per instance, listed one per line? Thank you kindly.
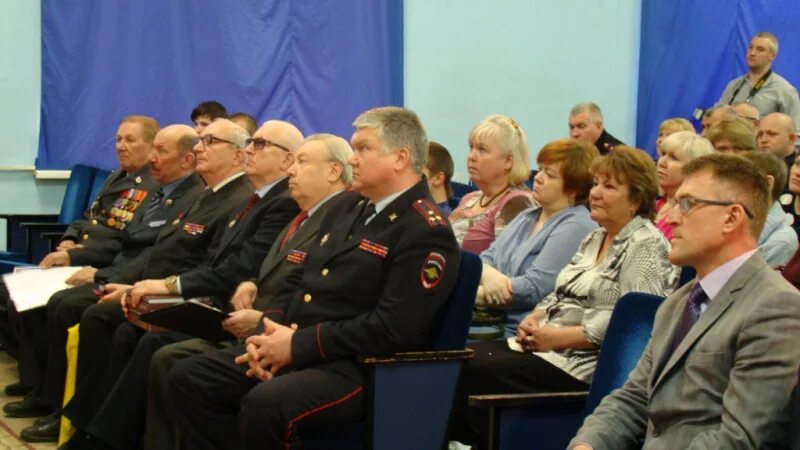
(97, 184)
(529, 181)
(461, 189)
(687, 274)
(453, 202)
(457, 314)
(76, 193)
(626, 337)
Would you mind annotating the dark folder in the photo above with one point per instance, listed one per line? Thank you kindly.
(191, 317)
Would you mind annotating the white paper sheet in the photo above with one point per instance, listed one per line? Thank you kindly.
(31, 288)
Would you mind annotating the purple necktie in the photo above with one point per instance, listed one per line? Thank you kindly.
(690, 314)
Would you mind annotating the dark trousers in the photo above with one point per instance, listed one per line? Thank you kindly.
(101, 357)
(30, 329)
(216, 406)
(8, 335)
(160, 433)
(64, 310)
(119, 421)
(495, 369)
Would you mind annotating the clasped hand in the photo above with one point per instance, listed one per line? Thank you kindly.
(268, 352)
(535, 338)
(495, 287)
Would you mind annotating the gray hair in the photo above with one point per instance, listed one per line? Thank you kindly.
(339, 152)
(771, 38)
(397, 128)
(510, 138)
(236, 134)
(688, 144)
(592, 108)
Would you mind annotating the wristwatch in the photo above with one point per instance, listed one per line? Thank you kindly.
(171, 282)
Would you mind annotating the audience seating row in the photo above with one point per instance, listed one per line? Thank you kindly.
(29, 237)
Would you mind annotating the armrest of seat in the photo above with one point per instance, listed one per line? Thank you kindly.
(516, 420)
(30, 217)
(45, 227)
(523, 400)
(406, 357)
(16, 241)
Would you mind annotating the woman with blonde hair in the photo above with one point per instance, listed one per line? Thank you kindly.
(675, 151)
(498, 165)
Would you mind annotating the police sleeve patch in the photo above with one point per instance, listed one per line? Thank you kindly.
(432, 270)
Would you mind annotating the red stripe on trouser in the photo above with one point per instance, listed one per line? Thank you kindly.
(316, 410)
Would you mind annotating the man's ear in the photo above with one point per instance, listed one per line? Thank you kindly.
(287, 162)
(188, 160)
(402, 159)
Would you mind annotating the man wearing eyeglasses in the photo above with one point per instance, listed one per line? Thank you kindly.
(722, 358)
(181, 244)
(319, 175)
(235, 253)
(373, 283)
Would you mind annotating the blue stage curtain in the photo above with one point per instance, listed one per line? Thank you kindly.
(691, 49)
(316, 63)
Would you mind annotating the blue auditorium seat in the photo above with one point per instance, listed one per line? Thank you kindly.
(461, 189)
(410, 394)
(73, 204)
(551, 420)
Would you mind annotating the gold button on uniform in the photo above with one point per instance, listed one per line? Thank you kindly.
(307, 298)
(293, 326)
(94, 222)
(325, 272)
(85, 237)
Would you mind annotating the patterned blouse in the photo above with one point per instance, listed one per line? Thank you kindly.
(586, 293)
(475, 232)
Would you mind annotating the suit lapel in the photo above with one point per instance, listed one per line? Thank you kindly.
(716, 308)
(232, 231)
(303, 235)
(388, 215)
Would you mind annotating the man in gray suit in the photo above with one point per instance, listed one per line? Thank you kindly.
(723, 356)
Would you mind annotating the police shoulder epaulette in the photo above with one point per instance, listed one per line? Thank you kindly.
(428, 210)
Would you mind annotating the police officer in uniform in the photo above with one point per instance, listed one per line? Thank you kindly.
(374, 283)
(182, 243)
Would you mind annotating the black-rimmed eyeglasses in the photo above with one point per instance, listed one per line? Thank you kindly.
(260, 144)
(687, 203)
(209, 139)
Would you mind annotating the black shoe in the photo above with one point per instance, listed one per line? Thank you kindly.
(46, 432)
(17, 389)
(27, 407)
(55, 415)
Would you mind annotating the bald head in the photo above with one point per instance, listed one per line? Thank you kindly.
(281, 132)
(776, 134)
(271, 151)
(172, 158)
(747, 112)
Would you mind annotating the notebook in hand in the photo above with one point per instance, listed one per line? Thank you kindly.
(194, 317)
